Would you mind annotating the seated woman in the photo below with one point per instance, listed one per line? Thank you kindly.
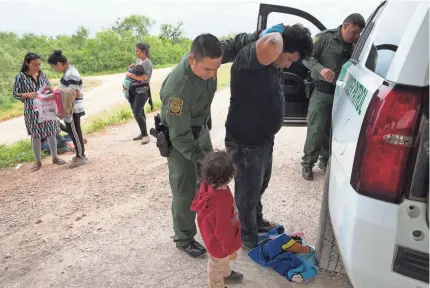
(64, 143)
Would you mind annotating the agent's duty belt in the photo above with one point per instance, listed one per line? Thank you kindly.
(325, 87)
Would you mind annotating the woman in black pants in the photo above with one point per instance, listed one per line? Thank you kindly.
(72, 79)
(139, 101)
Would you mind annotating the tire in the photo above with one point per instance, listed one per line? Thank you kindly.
(328, 255)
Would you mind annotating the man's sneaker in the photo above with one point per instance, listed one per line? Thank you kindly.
(145, 140)
(265, 226)
(248, 246)
(194, 249)
(234, 278)
(137, 138)
(78, 161)
(322, 166)
(307, 173)
(74, 158)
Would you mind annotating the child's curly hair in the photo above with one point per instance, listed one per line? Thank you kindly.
(217, 169)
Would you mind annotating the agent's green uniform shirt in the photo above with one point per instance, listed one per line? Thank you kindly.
(187, 102)
(330, 51)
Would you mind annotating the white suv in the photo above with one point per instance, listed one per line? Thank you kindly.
(374, 214)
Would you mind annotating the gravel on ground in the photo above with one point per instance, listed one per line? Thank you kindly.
(108, 223)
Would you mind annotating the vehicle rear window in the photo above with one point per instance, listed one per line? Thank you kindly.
(389, 31)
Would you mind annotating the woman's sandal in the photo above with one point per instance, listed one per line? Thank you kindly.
(58, 161)
(36, 166)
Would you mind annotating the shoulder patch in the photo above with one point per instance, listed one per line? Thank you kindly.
(175, 105)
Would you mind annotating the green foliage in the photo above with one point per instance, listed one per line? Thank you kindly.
(16, 153)
(228, 36)
(171, 32)
(139, 25)
(108, 51)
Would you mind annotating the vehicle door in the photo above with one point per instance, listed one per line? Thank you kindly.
(296, 101)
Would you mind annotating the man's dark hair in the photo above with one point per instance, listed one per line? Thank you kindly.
(139, 70)
(297, 38)
(206, 45)
(355, 19)
(144, 48)
(217, 169)
(57, 57)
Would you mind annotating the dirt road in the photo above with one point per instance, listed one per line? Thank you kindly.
(108, 94)
(108, 224)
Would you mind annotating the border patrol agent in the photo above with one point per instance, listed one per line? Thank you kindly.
(187, 95)
(332, 49)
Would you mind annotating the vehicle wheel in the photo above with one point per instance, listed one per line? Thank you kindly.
(327, 253)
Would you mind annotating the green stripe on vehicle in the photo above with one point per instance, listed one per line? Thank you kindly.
(344, 69)
(342, 75)
(355, 92)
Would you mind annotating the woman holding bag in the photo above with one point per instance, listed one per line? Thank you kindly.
(27, 82)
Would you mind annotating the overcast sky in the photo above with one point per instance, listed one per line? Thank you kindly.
(219, 17)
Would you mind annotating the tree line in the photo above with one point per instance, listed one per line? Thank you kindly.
(109, 50)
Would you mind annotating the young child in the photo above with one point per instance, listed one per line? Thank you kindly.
(218, 219)
(137, 70)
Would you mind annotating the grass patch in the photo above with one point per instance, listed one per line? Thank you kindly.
(110, 118)
(117, 115)
(88, 83)
(15, 109)
(21, 151)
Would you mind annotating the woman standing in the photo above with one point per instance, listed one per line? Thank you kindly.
(27, 82)
(72, 79)
(138, 105)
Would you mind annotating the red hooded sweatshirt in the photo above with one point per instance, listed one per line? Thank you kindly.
(218, 220)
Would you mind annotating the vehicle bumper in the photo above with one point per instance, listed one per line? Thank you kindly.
(367, 235)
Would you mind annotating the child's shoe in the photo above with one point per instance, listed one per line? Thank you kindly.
(234, 278)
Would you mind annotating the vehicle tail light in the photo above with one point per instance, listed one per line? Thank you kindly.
(387, 135)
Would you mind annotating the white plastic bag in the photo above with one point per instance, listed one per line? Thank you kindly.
(36, 104)
(47, 108)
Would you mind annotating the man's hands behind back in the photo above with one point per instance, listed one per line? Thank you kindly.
(280, 28)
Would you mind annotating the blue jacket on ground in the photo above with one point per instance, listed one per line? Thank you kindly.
(270, 254)
(308, 269)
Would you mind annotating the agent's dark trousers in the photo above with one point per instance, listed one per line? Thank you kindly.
(319, 127)
(185, 181)
(254, 169)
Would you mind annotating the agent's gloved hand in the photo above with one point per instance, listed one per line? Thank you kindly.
(280, 28)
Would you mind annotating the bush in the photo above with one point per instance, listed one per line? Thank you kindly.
(16, 153)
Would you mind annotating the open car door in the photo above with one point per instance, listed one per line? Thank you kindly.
(296, 102)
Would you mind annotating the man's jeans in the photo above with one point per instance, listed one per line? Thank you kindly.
(254, 169)
(138, 107)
